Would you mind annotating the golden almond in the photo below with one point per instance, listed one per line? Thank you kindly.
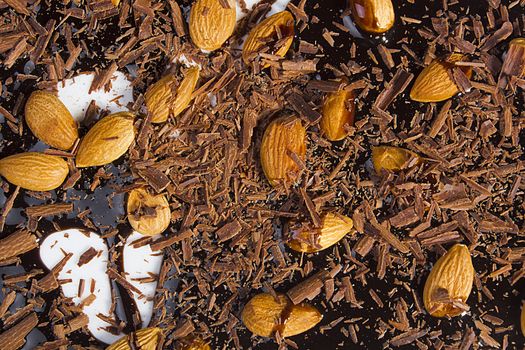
(282, 138)
(275, 32)
(338, 115)
(106, 141)
(50, 120)
(211, 24)
(115, 2)
(308, 239)
(449, 283)
(523, 319)
(374, 16)
(192, 343)
(34, 171)
(263, 315)
(167, 97)
(146, 339)
(514, 64)
(392, 158)
(148, 214)
(434, 84)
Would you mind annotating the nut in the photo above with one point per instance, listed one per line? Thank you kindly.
(523, 319)
(374, 16)
(211, 24)
(106, 141)
(148, 214)
(282, 138)
(392, 158)
(514, 64)
(50, 120)
(263, 315)
(338, 114)
(146, 338)
(434, 84)
(275, 32)
(333, 228)
(449, 282)
(165, 97)
(34, 171)
(192, 343)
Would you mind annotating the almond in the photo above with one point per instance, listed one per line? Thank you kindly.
(281, 138)
(338, 114)
(523, 319)
(392, 158)
(264, 315)
(273, 36)
(148, 214)
(449, 281)
(434, 83)
(106, 141)
(34, 171)
(192, 343)
(374, 16)
(50, 120)
(211, 24)
(146, 339)
(334, 227)
(167, 97)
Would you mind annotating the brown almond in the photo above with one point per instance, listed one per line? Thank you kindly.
(211, 24)
(167, 97)
(523, 319)
(148, 214)
(264, 315)
(106, 141)
(192, 343)
(392, 158)
(338, 115)
(373, 16)
(281, 138)
(434, 83)
(146, 339)
(449, 281)
(50, 120)
(334, 227)
(275, 32)
(34, 171)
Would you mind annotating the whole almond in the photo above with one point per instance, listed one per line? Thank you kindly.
(449, 281)
(434, 83)
(34, 171)
(192, 343)
(50, 120)
(264, 315)
(211, 24)
(165, 98)
(338, 115)
(146, 339)
(282, 138)
(374, 16)
(392, 158)
(275, 32)
(148, 214)
(106, 141)
(334, 227)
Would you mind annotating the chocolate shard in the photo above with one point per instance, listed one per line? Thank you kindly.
(17, 243)
(228, 231)
(396, 86)
(14, 337)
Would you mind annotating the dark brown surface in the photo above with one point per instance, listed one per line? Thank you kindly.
(382, 278)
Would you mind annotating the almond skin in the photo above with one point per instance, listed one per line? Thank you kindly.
(453, 273)
(106, 141)
(373, 16)
(391, 158)
(50, 120)
(164, 98)
(434, 84)
(211, 24)
(338, 114)
(143, 221)
(191, 343)
(334, 227)
(146, 338)
(34, 171)
(265, 34)
(282, 136)
(523, 319)
(263, 315)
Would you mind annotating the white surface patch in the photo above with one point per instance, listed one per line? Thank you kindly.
(140, 263)
(74, 241)
(74, 93)
(277, 6)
